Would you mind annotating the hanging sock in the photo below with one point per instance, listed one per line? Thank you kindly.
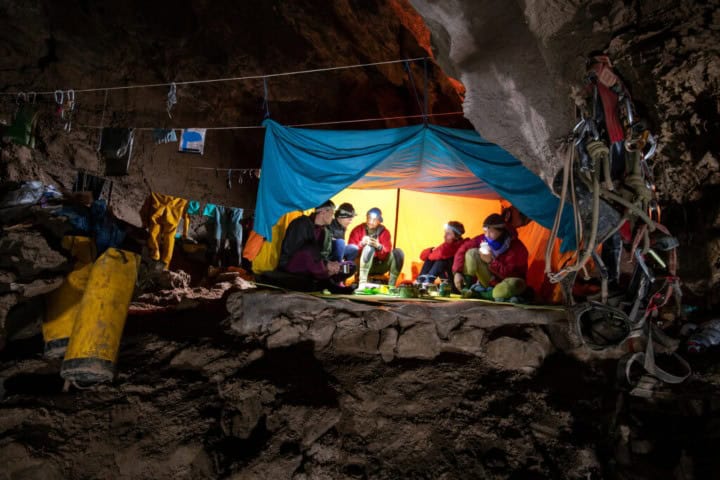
(192, 140)
(116, 148)
(171, 98)
(193, 207)
(70, 95)
(164, 135)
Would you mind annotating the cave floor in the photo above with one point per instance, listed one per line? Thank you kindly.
(193, 399)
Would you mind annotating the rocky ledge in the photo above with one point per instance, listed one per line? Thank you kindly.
(509, 337)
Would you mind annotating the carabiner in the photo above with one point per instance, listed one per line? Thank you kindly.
(60, 100)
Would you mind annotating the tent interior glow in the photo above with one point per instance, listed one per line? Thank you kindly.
(422, 217)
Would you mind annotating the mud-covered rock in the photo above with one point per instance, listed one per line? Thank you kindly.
(411, 330)
(27, 253)
(524, 354)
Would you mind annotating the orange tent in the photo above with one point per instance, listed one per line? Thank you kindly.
(416, 221)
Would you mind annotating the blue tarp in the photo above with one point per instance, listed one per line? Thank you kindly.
(303, 167)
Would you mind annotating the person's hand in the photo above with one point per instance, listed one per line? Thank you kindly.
(366, 240)
(486, 257)
(459, 281)
(374, 243)
(333, 268)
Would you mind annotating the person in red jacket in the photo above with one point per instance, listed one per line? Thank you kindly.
(438, 261)
(497, 259)
(377, 256)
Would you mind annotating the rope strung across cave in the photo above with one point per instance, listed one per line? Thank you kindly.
(312, 124)
(225, 79)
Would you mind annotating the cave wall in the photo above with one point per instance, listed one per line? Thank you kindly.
(46, 45)
(523, 62)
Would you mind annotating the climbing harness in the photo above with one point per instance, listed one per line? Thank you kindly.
(604, 324)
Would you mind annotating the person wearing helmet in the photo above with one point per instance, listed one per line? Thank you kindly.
(377, 256)
(340, 250)
(438, 260)
(306, 247)
(497, 259)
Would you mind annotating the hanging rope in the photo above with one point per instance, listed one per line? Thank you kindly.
(266, 103)
(414, 89)
(232, 79)
(426, 109)
(102, 121)
(312, 124)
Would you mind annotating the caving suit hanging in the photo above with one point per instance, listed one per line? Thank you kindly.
(161, 215)
(227, 229)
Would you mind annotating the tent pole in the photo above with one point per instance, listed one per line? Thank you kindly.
(397, 217)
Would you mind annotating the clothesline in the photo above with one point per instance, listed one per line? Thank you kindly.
(226, 79)
(227, 169)
(314, 124)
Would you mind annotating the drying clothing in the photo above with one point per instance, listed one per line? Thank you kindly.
(116, 148)
(23, 129)
(192, 140)
(86, 182)
(305, 248)
(209, 210)
(164, 135)
(161, 214)
(227, 228)
(193, 207)
(381, 234)
(511, 263)
(106, 230)
(96, 222)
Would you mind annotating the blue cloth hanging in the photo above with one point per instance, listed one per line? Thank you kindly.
(192, 140)
(209, 210)
(193, 207)
(303, 167)
(164, 135)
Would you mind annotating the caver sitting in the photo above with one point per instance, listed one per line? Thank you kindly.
(376, 253)
(306, 249)
(497, 259)
(438, 261)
